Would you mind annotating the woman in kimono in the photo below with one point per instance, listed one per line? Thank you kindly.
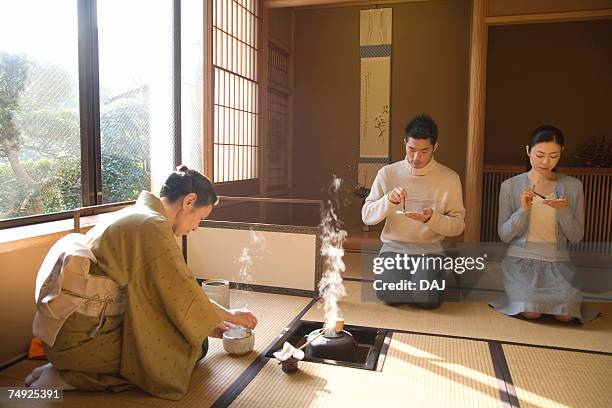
(163, 328)
(539, 212)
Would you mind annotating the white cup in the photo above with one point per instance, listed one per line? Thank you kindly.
(414, 205)
(238, 341)
(218, 290)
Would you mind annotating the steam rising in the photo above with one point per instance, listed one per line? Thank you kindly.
(255, 249)
(331, 288)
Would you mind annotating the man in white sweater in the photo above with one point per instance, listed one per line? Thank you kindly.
(421, 203)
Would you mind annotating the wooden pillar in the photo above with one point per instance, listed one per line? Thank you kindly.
(208, 91)
(476, 122)
(290, 173)
(262, 78)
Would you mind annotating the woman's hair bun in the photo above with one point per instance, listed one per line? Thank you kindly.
(184, 181)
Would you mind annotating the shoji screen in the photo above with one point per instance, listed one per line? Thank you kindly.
(235, 89)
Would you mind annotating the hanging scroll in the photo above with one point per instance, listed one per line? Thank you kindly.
(375, 55)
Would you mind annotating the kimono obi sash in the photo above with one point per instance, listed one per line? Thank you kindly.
(64, 286)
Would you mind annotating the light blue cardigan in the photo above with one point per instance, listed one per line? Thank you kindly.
(513, 221)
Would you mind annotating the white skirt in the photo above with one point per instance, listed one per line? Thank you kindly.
(533, 285)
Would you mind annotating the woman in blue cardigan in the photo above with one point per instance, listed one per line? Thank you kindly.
(539, 212)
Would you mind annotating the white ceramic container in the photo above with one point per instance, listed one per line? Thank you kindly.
(218, 290)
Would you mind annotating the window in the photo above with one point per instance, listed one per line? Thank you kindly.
(136, 71)
(98, 101)
(235, 90)
(40, 148)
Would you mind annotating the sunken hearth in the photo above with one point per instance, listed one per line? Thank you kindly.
(355, 346)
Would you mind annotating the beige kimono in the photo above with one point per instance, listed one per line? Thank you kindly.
(158, 340)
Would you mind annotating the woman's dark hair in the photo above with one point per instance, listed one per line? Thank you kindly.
(184, 181)
(543, 134)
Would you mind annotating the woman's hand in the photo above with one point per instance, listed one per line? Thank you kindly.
(221, 328)
(527, 198)
(242, 317)
(560, 203)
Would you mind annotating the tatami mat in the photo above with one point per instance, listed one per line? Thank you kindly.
(553, 378)
(70, 401)
(19, 371)
(474, 320)
(356, 263)
(214, 374)
(419, 371)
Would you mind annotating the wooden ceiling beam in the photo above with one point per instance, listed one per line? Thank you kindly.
(330, 3)
(550, 17)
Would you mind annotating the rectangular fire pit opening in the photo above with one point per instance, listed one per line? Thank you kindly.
(369, 354)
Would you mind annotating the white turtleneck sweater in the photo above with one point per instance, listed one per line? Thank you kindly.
(434, 182)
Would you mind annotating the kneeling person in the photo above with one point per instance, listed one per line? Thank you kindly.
(148, 322)
(433, 194)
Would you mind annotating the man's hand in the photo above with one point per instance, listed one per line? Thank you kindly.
(422, 216)
(561, 203)
(397, 195)
(221, 328)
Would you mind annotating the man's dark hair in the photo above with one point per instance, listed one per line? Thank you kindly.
(184, 181)
(422, 127)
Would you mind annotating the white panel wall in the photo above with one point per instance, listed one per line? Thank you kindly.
(287, 262)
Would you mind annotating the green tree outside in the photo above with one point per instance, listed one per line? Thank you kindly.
(40, 164)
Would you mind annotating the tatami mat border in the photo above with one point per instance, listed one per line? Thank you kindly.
(502, 342)
(506, 389)
(14, 361)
